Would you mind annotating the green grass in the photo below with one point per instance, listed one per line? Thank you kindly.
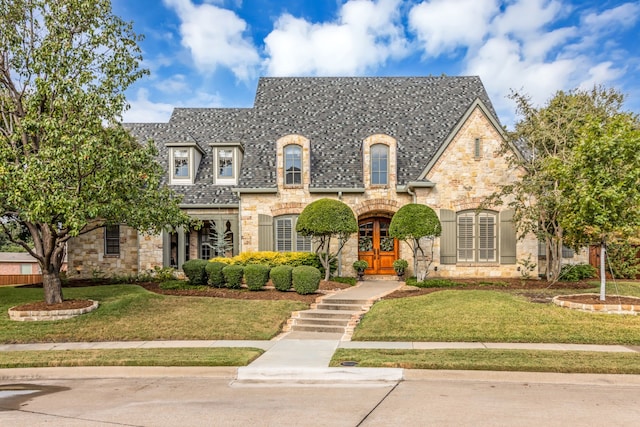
(129, 313)
(222, 356)
(495, 360)
(494, 316)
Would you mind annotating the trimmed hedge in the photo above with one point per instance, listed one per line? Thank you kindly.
(214, 270)
(281, 277)
(233, 276)
(306, 280)
(195, 270)
(273, 259)
(256, 276)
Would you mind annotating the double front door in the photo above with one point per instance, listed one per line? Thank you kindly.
(376, 246)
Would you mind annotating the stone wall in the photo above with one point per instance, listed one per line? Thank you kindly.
(86, 257)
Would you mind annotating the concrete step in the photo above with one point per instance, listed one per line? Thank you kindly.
(321, 321)
(326, 314)
(332, 306)
(318, 328)
(345, 301)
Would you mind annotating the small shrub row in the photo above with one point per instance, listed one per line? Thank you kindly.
(304, 279)
(274, 259)
(577, 272)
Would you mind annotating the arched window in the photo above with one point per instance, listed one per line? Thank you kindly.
(293, 165)
(379, 164)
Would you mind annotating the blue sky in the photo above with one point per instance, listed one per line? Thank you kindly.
(210, 53)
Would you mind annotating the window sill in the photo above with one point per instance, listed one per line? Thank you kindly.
(478, 264)
(112, 255)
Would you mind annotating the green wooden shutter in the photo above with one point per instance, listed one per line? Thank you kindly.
(448, 237)
(507, 238)
(166, 249)
(265, 233)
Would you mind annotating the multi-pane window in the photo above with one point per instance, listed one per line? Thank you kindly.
(225, 163)
(112, 240)
(180, 163)
(477, 237)
(293, 165)
(287, 240)
(379, 164)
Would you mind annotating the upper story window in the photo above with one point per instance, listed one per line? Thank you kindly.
(477, 237)
(293, 165)
(379, 164)
(226, 162)
(181, 163)
(184, 159)
(112, 240)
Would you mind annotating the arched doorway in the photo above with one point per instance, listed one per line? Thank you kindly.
(376, 246)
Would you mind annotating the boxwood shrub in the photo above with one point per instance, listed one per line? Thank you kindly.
(256, 276)
(214, 271)
(233, 276)
(281, 277)
(195, 270)
(306, 279)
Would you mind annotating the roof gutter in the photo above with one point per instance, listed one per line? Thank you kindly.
(335, 190)
(254, 190)
(412, 185)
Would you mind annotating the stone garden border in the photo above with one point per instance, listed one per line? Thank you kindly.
(40, 315)
(606, 307)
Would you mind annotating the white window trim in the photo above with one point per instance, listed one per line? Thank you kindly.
(296, 239)
(477, 238)
(284, 159)
(371, 163)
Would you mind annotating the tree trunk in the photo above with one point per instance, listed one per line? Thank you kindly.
(52, 287)
(603, 278)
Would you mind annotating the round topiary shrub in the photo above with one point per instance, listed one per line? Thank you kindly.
(256, 276)
(281, 277)
(306, 280)
(214, 271)
(233, 276)
(195, 270)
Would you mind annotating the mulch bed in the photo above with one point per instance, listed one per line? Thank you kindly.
(71, 304)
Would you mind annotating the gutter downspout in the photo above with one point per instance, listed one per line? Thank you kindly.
(413, 193)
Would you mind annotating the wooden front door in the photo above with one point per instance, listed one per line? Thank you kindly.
(376, 246)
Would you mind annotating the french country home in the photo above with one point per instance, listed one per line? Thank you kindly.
(376, 144)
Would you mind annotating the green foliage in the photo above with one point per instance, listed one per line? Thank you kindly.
(163, 274)
(178, 285)
(273, 259)
(281, 277)
(323, 220)
(432, 283)
(348, 280)
(623, 260)
(577, 272)
(526, 267)
(67, 165)
(415, 221)
(400, 265)
(195, 270)
(256, 276)
(214, 271)
(306, 280)
(233, 276)
(360, 265)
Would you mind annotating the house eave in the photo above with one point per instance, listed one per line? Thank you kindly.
(255, 190)
(336, 190)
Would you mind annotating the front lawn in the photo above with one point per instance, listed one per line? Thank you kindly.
(494, 316)
(130, 313)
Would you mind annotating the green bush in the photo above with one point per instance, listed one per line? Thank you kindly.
(577, 272)
(273, 259)
(233, 276)
(256, 276)
(162, 274)
(306, 280)
(214, 270)
(623, 260)
(348, 280)
(195, 270)
(281, 277)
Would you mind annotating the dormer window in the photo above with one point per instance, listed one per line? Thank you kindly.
(293, 165)
(379, 164)
(227, 158)
(181, 164)
(184, 159)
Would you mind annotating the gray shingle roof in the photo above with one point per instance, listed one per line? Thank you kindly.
(335, 114)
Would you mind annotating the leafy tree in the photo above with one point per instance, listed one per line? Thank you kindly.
(546, 137)
(414, 223)
(323, 220)
(9, 232)
(600, 185)
(67, 166)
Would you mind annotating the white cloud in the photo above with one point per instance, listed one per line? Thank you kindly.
(142, 110)
(365, 35)
(625, 15)
(527, 17)
(442, 26)
(215, 37)
(601, 74)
